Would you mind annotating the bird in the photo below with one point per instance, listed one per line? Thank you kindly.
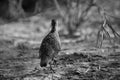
(50, 45)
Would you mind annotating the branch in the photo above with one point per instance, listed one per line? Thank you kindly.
(84, 13)
(104, 15)
(58, 8)
(114, 32)
(90, 5)
(100, 33)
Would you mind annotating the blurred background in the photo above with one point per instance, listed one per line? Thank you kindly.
(24, 23)
(75, 17)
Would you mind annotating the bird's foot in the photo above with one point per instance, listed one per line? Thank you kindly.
(51, 69)
(55, 62)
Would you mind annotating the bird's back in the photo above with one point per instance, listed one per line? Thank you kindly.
(50, 42)
(50, 45)
(45, 53)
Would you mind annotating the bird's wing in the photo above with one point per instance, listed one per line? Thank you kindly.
(45, 49)
(53, 41)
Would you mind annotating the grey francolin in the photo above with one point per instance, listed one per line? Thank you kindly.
(50, 45)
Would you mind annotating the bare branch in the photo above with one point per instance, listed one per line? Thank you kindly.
(100, 37)
(104, 15)
(84, 13)
(90, 5)
(114, 32)
(58, 8)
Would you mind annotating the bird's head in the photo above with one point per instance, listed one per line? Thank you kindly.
(53, 25)
(53, 22)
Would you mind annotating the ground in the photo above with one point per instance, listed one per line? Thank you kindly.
(78, 60)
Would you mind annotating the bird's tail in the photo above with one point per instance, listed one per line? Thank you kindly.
(44, 61)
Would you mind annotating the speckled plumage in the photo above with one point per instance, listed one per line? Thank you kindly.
(50, 46)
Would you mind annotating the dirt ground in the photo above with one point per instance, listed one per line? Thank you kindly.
(80, 59)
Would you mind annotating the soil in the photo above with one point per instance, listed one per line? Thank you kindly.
(79, 60)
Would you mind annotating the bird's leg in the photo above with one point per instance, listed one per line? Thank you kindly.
(54, 62)
(51, 67)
